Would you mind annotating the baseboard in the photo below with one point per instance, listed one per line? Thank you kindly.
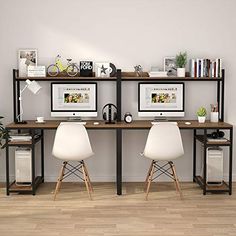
(113, 179)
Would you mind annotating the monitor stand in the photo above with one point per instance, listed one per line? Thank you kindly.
(160, 119)
(74, 119)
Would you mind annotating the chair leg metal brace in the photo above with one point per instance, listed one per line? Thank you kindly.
(81, 168)
(159, 170)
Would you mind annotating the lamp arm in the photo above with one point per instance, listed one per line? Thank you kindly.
(19, 117)
(21, 91)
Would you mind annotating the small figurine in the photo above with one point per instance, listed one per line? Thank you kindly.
(139, 70)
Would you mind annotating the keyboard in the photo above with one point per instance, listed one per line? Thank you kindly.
(75, 122)
(158, 122)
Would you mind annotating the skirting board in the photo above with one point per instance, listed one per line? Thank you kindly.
(113, 179)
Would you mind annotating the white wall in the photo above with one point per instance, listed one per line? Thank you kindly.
(125, 32)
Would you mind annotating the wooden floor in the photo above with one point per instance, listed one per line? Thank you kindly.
(111, 215)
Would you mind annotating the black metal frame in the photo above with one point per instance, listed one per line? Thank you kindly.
(119, 79)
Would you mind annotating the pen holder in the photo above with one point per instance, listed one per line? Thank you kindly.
(214, 116)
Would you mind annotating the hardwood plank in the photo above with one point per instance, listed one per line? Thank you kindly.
(165, 214)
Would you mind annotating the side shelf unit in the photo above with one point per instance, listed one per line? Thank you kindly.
(202, 180)
(12, 187)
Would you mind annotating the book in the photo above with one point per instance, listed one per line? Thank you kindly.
(86, 68)
(217, 140)
(157, 74)
(192, 67)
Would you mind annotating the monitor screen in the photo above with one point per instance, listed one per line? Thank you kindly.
(161, 99)
(74, 99)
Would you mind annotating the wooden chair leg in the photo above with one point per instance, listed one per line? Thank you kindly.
(171, 166)
(89, 181)
(150, 180)
(59, 180)
(148, 174)
(86, 181)
(176, 180)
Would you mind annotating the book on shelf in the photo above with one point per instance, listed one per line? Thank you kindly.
(21, 136)
(217, 140)
(157, 74)
(205, 67)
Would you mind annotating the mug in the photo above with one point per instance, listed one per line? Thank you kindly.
(40, 119)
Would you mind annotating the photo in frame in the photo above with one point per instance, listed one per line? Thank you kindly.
(170, 66)
(26, 57)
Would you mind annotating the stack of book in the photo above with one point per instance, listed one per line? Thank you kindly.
(205, 67)
(157, 74)
(20, 137)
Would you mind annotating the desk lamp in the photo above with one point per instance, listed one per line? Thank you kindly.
(34, 87)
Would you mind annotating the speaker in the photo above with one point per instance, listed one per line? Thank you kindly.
(217, 134)
(109, 113)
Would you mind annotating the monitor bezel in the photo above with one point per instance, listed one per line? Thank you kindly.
(73, 111)
(162, 111)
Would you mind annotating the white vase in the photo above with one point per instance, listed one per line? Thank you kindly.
(181, 72)
(201, 119)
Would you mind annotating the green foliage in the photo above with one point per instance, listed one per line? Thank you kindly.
(3, 134)
(202, 111)
(181, 60)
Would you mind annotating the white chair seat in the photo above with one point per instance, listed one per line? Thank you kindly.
(164, 143)
(72, 144)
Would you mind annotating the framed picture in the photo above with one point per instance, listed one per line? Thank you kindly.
(170, 66)
(26, 57)
(103, 69)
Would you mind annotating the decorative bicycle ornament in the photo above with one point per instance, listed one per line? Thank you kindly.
(71, 69)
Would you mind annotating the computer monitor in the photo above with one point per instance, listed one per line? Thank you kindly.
(161, 99)
(73, 99)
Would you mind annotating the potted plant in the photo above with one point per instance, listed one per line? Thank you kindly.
(201, 113)
(3, 134)
(181, 61)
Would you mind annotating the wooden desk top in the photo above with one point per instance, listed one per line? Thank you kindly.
(137, 124)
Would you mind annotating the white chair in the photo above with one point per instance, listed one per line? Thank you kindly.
(164, 143)
(72, 144)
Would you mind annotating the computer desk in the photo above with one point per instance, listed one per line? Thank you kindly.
(135, 125)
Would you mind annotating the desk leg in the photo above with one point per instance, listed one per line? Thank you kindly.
(205, 163)
(119, 161)
(194, 155)
(33, 163)
(230, 161)
(42, 155)
(7, 169)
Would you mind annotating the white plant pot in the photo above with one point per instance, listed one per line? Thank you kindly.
(181, 72)
(201, 119)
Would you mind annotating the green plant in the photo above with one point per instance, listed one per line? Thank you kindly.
(181, 60)
(3, 134)
(202, 111)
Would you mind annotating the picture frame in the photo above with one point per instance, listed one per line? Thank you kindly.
(26, 57)
(102, 69)
(170, 66)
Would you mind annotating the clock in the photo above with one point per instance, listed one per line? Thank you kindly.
(128, 117)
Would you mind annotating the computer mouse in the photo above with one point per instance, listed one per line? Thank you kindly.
(96, 123)
(188, 123)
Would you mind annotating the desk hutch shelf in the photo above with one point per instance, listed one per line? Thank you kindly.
(122, 77)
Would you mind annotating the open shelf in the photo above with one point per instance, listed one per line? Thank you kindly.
(224, 187)
(200, 138)
(131, 76)
(25, 188)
